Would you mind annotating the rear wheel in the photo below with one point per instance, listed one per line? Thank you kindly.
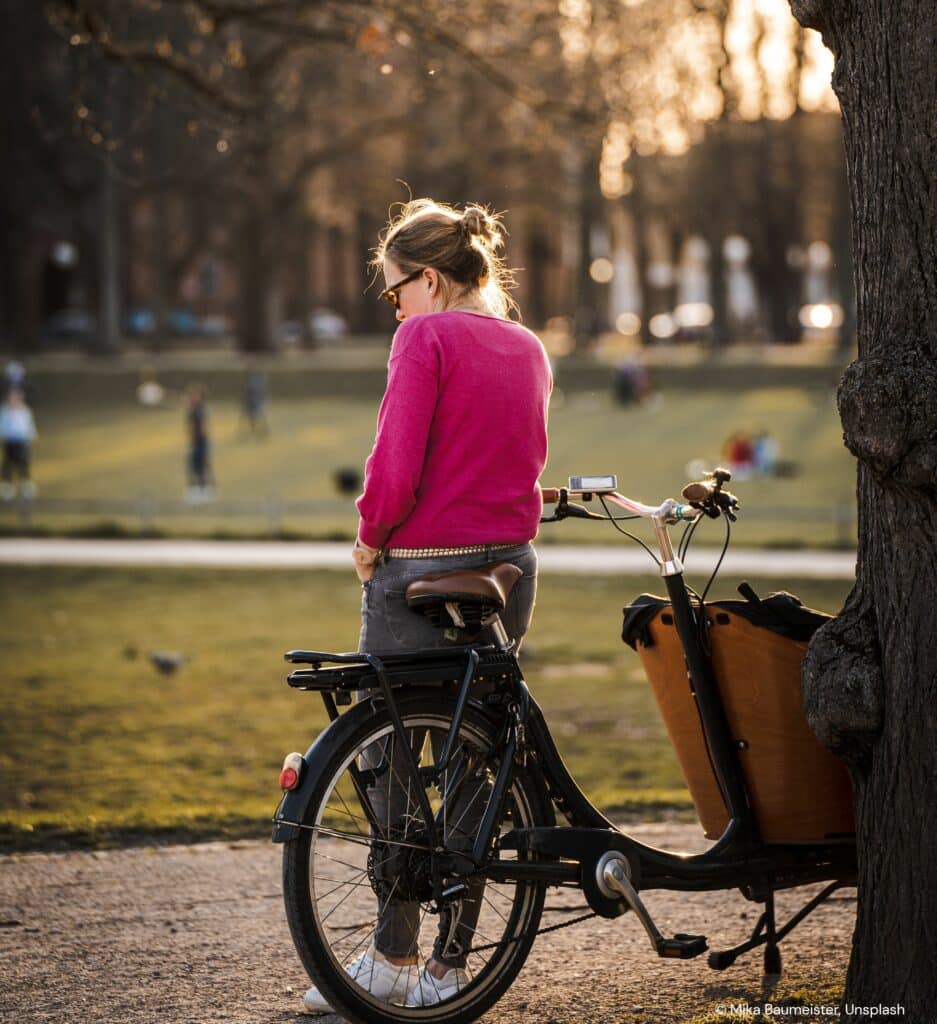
(361, 870)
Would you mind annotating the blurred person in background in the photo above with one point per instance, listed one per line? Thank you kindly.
(17, 432)
(631, 382)
(14, 377)
(738, 451)
(765, 453)
(255, 404)
(452, 483)
(198, 461)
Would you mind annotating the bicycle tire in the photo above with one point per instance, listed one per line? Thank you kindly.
(323, 858)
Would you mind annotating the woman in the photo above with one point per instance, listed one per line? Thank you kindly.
(451, 483)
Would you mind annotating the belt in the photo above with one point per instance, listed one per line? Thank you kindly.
(470, 549)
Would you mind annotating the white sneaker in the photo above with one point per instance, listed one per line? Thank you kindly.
(376, 974)
(429, 989)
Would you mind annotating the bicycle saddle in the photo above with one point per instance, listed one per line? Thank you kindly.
(488, 588)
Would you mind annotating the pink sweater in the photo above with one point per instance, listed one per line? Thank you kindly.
(461, 435)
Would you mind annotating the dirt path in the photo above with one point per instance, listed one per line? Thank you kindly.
(180, 934)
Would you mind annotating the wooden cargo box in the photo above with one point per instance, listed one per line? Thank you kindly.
(799, 791)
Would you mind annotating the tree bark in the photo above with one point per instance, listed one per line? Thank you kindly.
(870, 677)
(845, 273)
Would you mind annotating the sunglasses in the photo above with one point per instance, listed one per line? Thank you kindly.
(390, 294)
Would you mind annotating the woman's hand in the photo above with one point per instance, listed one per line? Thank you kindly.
(365, 560)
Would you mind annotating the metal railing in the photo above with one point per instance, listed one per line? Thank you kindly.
(148, 511)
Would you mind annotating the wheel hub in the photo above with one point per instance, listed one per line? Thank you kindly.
(401, 872)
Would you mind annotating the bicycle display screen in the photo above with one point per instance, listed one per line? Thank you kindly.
(593, 483)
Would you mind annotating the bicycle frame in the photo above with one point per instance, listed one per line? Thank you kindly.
(574, 853)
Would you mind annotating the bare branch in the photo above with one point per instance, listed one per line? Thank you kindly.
(534, 99)
(221, 11)
(85, 20)
(335, 150)
(294, 38)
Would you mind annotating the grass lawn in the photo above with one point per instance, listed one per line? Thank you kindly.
(120, 451)
(97, 747)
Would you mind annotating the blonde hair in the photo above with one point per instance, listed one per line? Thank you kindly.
(461, 244)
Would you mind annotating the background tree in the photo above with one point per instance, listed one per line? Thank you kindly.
(261, 126)
(737, 89)
(871, 675)
(282, 90)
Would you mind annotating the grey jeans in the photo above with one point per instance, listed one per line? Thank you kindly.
(387, 624)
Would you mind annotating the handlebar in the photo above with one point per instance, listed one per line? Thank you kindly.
(669, 511)
(703, 497)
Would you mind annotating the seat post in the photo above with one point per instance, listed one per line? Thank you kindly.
(497, 627)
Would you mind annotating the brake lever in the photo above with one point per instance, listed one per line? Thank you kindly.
(561, 511)
(579, 512)
(566, 510)
(727, 503)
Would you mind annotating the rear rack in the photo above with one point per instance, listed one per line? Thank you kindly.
(430, 666)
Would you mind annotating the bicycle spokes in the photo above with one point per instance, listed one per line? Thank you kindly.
(374, 880)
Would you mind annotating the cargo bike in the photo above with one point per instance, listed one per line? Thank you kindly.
(438, 785)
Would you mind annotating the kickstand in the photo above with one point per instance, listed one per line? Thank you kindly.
(768, 935)
(772, 953)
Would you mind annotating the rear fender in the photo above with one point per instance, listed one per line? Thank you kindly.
(292, 807)
(294, 804)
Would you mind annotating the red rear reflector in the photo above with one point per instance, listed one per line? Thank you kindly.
(291, 771)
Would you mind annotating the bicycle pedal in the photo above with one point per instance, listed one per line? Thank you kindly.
(682, 947)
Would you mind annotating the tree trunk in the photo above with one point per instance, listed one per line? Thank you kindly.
(536, 259)
(259, 258)
(870, 678)
(160, 237)
(715, 190)
(779, 284)
(110, 279)
(255, 277)
(638, 206)
(720, 333)
(588, 318)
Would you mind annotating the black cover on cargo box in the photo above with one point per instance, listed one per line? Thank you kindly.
(780, 612)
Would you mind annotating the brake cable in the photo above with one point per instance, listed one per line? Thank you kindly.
(687, 537)
(637, 540)
(725, 548)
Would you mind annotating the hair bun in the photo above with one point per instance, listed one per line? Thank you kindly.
(476, 223)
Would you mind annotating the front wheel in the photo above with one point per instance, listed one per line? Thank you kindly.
(360, 874)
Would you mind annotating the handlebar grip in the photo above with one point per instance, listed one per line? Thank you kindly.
(551, 495)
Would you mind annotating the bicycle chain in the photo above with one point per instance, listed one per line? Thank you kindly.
(542, 931)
